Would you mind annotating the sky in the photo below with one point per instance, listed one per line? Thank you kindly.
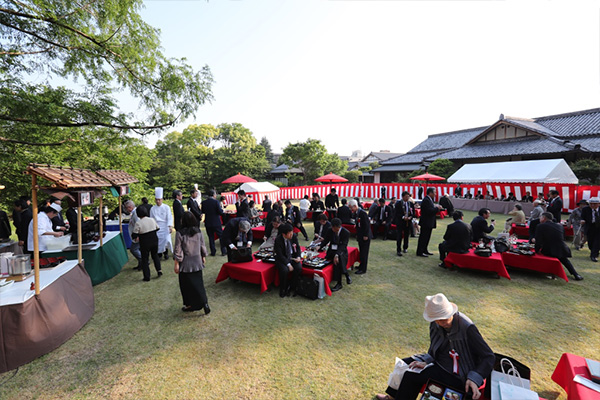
(375, 75)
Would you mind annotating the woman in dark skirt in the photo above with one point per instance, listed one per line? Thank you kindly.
(190, 256)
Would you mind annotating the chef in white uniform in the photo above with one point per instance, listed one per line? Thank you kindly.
(164, 218)
(44, 226)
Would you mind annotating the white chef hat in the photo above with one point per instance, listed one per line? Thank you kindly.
(158, 193)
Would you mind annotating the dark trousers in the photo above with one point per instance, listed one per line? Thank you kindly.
(332, 214)
(424, 238)
(411, 383)
(532, 225)
(340, 268)
(363, 248)
(152, 251)
(567, 263)
(386, 228)
(191, 285)
(301, 227)
(593, 237)
(403, 233)
(285, 282)
(443, 250)
(210, 232)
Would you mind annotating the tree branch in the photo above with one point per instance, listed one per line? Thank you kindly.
(136, 129)
(3, 139)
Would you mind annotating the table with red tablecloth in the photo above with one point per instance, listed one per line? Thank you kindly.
(523, 230)
(537, 262)
(258, 232)
(309, 214)
(470, 260)
(442, 213)
(568, 366)
(265, 273)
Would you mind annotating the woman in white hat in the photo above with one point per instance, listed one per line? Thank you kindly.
(458, 356)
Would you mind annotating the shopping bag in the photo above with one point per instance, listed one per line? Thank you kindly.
(319, 278)
(577, 238)
(508, 375)
(512, 392)
(397, 374)
(240, 255)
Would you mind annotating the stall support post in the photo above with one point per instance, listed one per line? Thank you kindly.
(100, 218)
(79, 234)
(36, 239)
(120, 216)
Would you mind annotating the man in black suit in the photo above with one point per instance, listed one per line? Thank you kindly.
(556, 205)
(212, 221)
(383, 217)
(427, 223)
(317, 207)
(293, 217)
(242, 207)
(5, 229)
(405, 211)
(344, 213)
(337, 237)
(420, 191)
(332, 202)
(177, 209)
(457, 238)
(272, 214)
(363, 235)
(446, 203)
(324, 227)
(192, 205)
(590, 219)
(266, 205)
(480, 225)
(145, 205)
(550, 241)
(237, 234)
(287, 259)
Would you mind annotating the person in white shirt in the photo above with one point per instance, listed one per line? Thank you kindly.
(304, 206)
(44, 226)
(164, 218)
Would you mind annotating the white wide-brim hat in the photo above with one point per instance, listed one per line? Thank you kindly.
(438, 307)
(56, 207)
(594, 200)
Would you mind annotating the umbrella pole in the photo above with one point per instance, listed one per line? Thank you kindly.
(100, 218)
(120, 216)
(36, 238)
(79, 234)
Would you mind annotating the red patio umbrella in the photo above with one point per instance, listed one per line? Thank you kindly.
(331, 177)
(428, 177)
(239, 178)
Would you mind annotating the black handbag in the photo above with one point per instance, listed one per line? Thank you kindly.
(308, 287)
(501, 245)
(483, 251)
(240, 255)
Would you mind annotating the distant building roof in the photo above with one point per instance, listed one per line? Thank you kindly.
(381, 155)
(284, 169)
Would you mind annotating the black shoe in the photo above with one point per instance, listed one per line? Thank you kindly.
(187, 309)
(348, 279)
(405, 251)
(159, 274)
(442, 265)
(360, 272)
(146, 280)
(281, 294)
(306, 238)
(212, 255)
(336, 287)
(428, 253)
(399, 254)
(577, 277)
(224, 254)
(594, 259)
(385, 238)
(138, 268)
(422, 255)
(166, 255)
(206, 309)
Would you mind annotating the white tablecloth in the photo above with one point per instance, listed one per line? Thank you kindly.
(109, 236)
(19, 292)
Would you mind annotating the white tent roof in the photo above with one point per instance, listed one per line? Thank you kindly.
(251, 187)
(542, 171)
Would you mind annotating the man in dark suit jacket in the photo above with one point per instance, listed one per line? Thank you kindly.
(337, 238)
(556, 205)
(446, 203)
(332, 202)
(590, 217)
(550, 241)
(177, 209)
(145, 205)
(212, 221)
(272, 214)
(237, 234)
(317, 207)
(287, 259)
(363, 235)
(193, 207)
(405, 212)
(427, 222)
(383, 217)
(293, 216)
(457, 238)
(5, 229)
(344, 213)
(420, 191)
(266, 205)
(480, 226)
(324, 226)
(242, 207)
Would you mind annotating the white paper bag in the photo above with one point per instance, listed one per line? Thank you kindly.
(509, 377)
(321, 281)
(512, 392)
(397, 374)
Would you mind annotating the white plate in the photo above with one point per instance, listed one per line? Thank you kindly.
(4, 284)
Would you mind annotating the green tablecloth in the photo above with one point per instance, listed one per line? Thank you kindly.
(103, 262)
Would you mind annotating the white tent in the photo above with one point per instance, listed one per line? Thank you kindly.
(542, 171)
(258, 190)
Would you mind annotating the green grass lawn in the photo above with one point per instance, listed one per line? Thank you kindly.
(139, 345)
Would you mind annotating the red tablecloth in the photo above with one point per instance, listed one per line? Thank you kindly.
(568, 366)
(524, 230)
(264, 273)
(258, 232)
(537, 262)
(351, 228)
(309, 214)
(252, 272)
(442, 214)
(472, 261)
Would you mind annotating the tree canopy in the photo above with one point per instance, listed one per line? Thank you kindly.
(313, 159)
(442, 167)
(95, 49)
(586, 169)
